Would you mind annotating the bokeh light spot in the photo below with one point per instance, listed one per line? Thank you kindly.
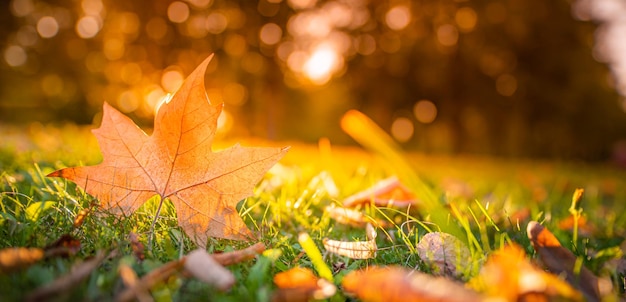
(171, 79)
(253, 62)
(398, 17)
(200, 3)
(156, 28)
(178, 12)
(447, 35)
(425, 111)
(506, 85)
(92, 7)
(301, 4)
(52, 85)
(87, 27)
(319, 67)
(131, 73)
(365, 45)
(27, 36)
(113, 49)
(128, 101)
(153, 97)
(235, 45)
(496, 12)
(466, 19)
(21, 8)
(225, 122)
(235, 94)
(270, 33)
(402, 129)
(15, 56)
(47, 27)
(216, 23)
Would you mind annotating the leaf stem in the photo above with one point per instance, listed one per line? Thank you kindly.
(156, 216)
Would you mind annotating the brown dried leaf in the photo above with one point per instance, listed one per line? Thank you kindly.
(562, 261)
(176, 162)
(387, 192)
(398, 284)
(15, 258)
(300, 284)
(509, 276)
(444, 253)
(136, 246)
(64, 247)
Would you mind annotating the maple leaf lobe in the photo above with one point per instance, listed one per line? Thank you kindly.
(176, 162)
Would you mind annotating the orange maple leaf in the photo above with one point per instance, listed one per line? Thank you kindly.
(176, 162)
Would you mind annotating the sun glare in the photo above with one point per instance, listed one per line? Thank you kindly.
(321, 64)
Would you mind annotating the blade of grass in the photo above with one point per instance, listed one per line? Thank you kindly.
(371, 136)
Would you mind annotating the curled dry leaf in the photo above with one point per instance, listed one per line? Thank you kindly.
(300, 284)
(398, 284)
(352, 217)
(15, 258)
(387, 192)
(443, 253)
(354, 249)
(176, 162)
(562, 261)
(203, 266)
(509, 276)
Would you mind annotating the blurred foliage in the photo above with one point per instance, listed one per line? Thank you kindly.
(509, 77)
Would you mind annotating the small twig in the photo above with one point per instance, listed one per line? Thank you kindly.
(152, 278)
(69, 280)
(233, 257)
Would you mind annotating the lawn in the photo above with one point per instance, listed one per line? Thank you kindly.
(486, 202)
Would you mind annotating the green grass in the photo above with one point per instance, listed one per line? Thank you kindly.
(487, 201)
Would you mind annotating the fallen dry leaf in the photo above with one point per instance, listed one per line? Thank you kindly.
(176, 162)
(398, 284)
(509, 276)
(562, 261)
(203, 266)
(443, 253)
(64, 247)
(352, 217)
(354, 249)
(136, 246)
(15, 258)
(387, 192)
(300, 284)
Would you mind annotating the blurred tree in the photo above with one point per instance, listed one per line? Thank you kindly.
(506, 77)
